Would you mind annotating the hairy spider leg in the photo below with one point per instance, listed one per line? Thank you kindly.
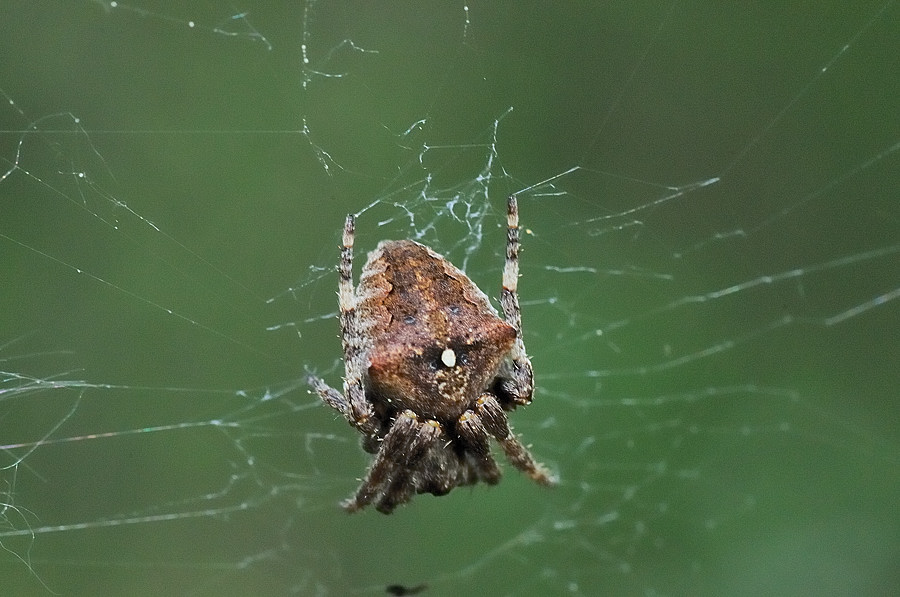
(360, 409)
(494, 419)
(518, 390)
(388, 481)
(352, 403)
(330, 396)
(472, 431)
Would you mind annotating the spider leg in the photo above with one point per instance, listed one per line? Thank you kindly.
(390, 478)
(443, 468)
(472, 431)
(360, 410)
(339, 402)
(439, 470)
(330, 396)
(518, 390)
(491, 413)
(352, 404)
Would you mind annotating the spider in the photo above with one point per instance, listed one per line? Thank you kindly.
(430, 369)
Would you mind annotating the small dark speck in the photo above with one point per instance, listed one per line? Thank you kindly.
(401, 590)
(453, 309)
(409, 319)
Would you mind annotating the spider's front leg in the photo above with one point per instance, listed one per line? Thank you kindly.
(390, 479)
(476, 437)
(518, 389)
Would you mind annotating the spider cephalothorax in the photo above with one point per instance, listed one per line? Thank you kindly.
(430, 369)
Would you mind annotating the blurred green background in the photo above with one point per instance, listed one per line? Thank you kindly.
(710, 198)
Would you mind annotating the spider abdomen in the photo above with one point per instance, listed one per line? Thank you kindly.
(437, 342)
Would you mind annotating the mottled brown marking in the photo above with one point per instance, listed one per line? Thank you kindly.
(425, 305)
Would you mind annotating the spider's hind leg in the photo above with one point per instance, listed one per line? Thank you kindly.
(518, 388)
(352, 403)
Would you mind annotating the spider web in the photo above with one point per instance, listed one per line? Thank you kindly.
(709, 273)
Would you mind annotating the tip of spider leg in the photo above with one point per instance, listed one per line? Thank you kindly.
(546, 477)
(350, 505)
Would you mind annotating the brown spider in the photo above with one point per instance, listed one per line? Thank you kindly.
(430, 368)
